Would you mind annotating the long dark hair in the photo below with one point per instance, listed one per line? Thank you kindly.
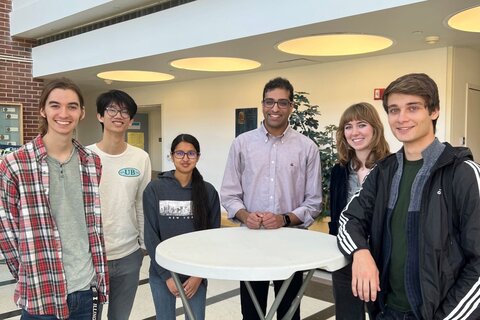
(199, 192)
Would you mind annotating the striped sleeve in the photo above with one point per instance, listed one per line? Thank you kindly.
(463, 299)
(355, 219)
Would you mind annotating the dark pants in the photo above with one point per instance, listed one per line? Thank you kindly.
(347, 306)
(80, 306)
(124, 275)
(391, 314)
(261, 291)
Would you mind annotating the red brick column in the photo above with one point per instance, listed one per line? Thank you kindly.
(16, 82)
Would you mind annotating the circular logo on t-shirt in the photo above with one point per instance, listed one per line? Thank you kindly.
(129, 172)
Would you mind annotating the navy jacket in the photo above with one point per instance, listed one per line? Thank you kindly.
(448, 230)
(338, 195)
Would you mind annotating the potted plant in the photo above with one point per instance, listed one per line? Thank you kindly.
(304, 119)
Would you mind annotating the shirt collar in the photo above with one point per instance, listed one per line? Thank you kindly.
(41, 152)
(38, 148)
(268, 136)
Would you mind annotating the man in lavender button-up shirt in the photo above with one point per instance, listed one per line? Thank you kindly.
(272, 179)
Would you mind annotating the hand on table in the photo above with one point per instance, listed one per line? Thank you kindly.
(190, 286)
(365, 276)
(254, 220)
(272, 221)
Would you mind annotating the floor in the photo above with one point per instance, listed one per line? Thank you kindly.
(223, 300)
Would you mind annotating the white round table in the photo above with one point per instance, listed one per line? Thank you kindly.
(239, 253)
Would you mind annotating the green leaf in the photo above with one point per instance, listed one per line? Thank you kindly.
(304, 119)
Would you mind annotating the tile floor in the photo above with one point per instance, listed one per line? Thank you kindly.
(223, 300)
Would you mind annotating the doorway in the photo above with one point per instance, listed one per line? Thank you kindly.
(147, 127)
(472, 118)
(137, 134)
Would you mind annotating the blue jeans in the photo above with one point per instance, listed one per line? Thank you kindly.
(164, 300)
(124, 274)
(80, 305)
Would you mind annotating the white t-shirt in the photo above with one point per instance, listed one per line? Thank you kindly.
(124, 177)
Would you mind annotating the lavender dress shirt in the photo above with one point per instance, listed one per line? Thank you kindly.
(277, 174)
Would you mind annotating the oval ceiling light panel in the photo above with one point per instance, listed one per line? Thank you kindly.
(135, 76)
(467, 20)
(335, 45)
(215, 64)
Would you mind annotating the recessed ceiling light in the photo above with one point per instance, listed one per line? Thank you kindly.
(135, 76)
(432, 39)
(335, 44)
(215, 64)
(467, 20)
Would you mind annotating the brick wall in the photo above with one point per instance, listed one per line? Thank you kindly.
(16, 82)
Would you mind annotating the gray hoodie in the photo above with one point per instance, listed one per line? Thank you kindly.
(167, 208)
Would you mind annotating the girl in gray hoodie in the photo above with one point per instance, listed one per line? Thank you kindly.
(179, 201)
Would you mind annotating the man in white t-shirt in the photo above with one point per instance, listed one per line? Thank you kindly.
(126, 173)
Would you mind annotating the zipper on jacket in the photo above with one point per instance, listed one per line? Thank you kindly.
(421, 242)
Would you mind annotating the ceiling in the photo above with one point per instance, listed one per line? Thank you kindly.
(407, 26)
(96, 13)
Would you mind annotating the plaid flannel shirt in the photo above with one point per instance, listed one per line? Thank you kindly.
(29, 238)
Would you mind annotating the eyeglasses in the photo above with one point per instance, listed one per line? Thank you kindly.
(281, 103)
(190, 154)
(112, 112)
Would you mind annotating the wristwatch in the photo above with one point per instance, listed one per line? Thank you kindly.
(286, 220)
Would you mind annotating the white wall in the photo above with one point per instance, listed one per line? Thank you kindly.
(31, 14)
(465, 70)
(155, 133)
(89, 130)
(205, 108)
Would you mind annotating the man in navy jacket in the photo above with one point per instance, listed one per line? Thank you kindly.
(413, 230)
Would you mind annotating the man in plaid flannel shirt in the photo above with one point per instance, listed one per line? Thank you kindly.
(50, 225)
